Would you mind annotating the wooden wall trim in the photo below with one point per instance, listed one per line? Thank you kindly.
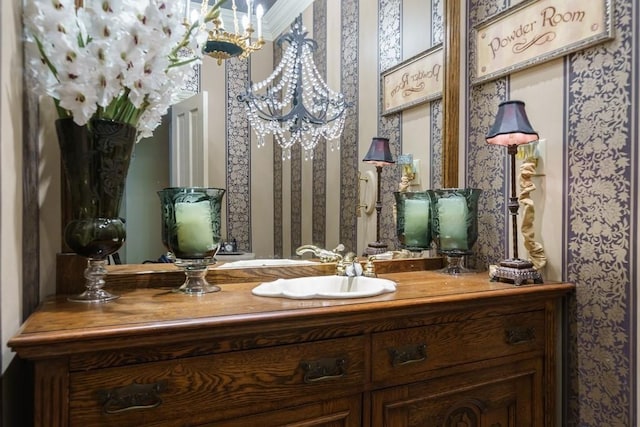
(451, 94)
(30, 204)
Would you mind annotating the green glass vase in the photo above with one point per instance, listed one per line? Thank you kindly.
(413, 222)
(454, 225)
(96, 160)
(191, 231)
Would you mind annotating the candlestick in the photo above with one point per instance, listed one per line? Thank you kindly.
(249, 11)
(235, 16)
(259, 14)
(186, 12)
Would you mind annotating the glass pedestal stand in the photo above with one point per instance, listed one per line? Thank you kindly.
(195, 271)
(516, 271)
(94, 273)
(375, 248)
(454, 264)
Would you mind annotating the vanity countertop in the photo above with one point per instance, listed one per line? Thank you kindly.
(60, 327)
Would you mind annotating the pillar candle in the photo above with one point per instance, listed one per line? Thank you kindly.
(193, 224)
(452, 215)
(416, 222)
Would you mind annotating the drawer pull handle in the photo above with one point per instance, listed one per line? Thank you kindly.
(324, 369)
(519, 335)
(131, 397)
(408, 354)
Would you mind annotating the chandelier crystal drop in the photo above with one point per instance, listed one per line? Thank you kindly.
(294, 104)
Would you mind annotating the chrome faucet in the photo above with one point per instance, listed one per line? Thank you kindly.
(325, 255)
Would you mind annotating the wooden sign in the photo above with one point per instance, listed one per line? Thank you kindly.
(536, 31)
(412, 82)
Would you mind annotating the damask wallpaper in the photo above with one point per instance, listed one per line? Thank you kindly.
(319, 216)
(390, 54)
(600, 163)
(599, 152)
(349, 161)
(238, 160)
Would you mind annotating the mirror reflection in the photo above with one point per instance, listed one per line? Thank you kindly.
(273, 206)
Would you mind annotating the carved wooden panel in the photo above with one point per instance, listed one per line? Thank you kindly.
(498, 397)
(51, 394)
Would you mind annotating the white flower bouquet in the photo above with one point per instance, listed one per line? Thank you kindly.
(112, 59)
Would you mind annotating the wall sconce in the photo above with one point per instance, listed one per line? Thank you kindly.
(366, 198)
(378, 155)
(511, 129)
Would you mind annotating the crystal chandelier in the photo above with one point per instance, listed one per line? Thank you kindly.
(294, 104)
(222, 43)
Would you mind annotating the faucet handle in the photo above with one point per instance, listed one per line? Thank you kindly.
(369, 268)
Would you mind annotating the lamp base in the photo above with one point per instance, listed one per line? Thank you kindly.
(375, 248)
(516, 271)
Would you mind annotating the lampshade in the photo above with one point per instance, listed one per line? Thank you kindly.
(512, 126)
(379, 153)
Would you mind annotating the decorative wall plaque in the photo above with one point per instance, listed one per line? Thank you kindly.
(412, 82)
(536, 31)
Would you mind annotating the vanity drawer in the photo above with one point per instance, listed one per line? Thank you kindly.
(209, 388)
(415, 351)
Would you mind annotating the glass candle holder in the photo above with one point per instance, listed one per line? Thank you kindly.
(191, 224)
(454, 214)
(413, 220)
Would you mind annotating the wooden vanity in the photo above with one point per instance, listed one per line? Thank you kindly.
(441, 350)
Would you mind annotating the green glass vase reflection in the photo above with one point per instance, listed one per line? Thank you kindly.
(191, 227)
(454, 213)
(413, 223)
(96, 159)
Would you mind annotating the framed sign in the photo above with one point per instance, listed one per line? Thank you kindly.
(536, 31)
(412, 82)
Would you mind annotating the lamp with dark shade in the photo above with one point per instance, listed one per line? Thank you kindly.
(511, 129)
(379, 155)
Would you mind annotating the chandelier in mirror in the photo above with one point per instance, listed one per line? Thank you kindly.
(294, 104)
(224, 42)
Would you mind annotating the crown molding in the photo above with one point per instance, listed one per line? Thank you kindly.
(281, 15)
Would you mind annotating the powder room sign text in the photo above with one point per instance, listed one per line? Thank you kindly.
(536, 31)
(412, 82)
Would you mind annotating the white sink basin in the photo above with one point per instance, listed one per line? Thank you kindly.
(325, 287)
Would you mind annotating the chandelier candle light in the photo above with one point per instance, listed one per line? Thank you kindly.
(223, 43)
(512, 128)
(294, 104)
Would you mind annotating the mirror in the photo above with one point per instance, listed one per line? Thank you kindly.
(450, 108)
(257, 235)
